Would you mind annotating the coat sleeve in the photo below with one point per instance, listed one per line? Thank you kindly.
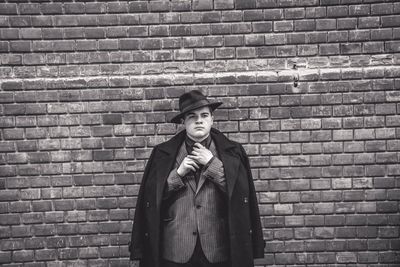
(214, 171)
(174, 184)
(136, 246)
(257, 233)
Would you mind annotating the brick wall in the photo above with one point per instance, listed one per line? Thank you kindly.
(311, 89)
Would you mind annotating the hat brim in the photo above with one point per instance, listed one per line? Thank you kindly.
(213, 106)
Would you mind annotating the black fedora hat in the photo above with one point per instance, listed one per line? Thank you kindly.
(191, 101)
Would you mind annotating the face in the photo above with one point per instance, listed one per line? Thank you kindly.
(198, 123)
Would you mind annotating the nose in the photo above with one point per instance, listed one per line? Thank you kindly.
(199, 119)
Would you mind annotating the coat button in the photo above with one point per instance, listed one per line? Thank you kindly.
(148, 204)
(195, 233)
(146, 234)
(245, 200)
(250, 231)
(198, 206)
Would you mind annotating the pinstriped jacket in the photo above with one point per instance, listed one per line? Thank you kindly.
(192, 210)
(245, 235)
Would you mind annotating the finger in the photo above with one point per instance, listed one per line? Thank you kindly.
(198, 145)
(202, 149)
(191, 168)
(190, 158)
(194, 158)
(195, 153)
(194, 164)
(199, 150)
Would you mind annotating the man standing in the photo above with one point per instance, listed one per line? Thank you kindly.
(197, 204)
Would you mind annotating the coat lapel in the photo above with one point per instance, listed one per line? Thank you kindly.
(165, 163)
(230, 161)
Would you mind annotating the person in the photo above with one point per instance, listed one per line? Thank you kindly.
(197, 203)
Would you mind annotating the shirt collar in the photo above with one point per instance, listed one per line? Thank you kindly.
(206, 142)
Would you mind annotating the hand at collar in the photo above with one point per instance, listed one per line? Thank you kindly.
(200, 154)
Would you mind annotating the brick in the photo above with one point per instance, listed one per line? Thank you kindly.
(336, 37)
(232, 16)
(41, 206)
(159, 6)
(243, 4)
(283, 26)
(294, 13)
(211, 17)
(390, 21)
(23, 256)
(66, 254)
(150, 18)
(347, 257)
(183, 54)
(273, 14)
(253, 15)
(213, 41)
(9, 34)
(161, 30)
(224, 4)
(262, 27)
(392, 46)
(169, 18)
(254, 40)
(202, 5)
(381, 9)
(63, 205)
(379, 34)
(46, 255)
(224, 53)
(204, 54)
(368, 22)
(241, 28)
(112, 119)
(8, 9)
(102, 131)
(359, 10)
(232, 41)
(347, 23)
(181, 6)
(220, 29)
(326, 24)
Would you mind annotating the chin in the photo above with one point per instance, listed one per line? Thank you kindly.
(198, 135)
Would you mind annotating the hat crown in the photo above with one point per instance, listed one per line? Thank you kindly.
(191, 98)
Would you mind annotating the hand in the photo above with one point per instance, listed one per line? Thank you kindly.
(186, 166)
(201, 154)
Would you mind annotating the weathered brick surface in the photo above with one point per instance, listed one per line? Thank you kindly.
(310, 88)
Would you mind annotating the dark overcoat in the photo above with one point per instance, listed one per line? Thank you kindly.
(245, 231)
